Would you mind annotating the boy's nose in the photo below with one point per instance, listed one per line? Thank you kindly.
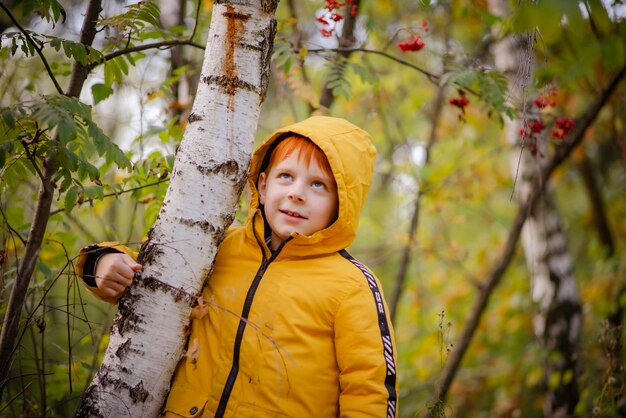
(295, 194)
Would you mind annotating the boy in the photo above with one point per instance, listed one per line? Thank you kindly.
(296, 327)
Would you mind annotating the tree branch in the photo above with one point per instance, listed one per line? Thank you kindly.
(37, 48)
(138, 48)
(54, 212)
(13, 230)
(431, 77)
(31, 157)
(195, 25)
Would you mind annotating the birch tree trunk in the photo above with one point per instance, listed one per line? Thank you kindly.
(150, 328)
(557, 320)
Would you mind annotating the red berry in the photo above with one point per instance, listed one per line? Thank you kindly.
(336, 17)
(322, 20)
(536, 125)
(459, 102)
(414, 44)
(564, 123)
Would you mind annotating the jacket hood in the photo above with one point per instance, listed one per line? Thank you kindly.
(351, 155)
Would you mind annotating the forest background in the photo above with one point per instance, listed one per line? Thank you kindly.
(491, 320)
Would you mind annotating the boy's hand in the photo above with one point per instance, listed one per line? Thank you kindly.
(114, 273)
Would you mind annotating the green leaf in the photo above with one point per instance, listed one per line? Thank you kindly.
(80, 53)
(100, 92)
(113, 72)
(71, 196)
(8, 118)
(56, 44)
(137, 17)
(66, 129)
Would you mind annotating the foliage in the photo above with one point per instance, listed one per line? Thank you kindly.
(115, 146)
(79, 140)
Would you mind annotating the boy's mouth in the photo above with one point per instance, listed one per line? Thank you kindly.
(292, 214)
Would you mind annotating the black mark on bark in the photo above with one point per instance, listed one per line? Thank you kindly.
(149, 251)
(228, 169)
(193, 117)
(138, 393)
(123, 348)
(229, 84)
(126, 318)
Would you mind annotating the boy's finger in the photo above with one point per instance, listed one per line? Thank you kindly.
(114, 291)
(124, 278)
(132, 263)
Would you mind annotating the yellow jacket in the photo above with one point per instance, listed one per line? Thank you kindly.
(303, 331)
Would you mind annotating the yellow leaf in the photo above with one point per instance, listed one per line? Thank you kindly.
(201, 310)
(193, 351)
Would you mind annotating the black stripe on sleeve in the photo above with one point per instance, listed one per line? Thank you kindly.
(390, 379)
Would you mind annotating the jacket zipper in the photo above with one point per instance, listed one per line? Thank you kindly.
(234, 370)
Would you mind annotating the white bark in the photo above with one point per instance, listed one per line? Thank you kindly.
(557, 320)
(150, 329)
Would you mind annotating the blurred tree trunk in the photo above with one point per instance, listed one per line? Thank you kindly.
(150, 328)
(557, 321)
(173, 14)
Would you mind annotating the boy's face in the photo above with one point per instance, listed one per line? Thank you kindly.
(297, 198)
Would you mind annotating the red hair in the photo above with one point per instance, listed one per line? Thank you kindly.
(306, 151)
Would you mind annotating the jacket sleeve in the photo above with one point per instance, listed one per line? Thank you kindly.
(366, 353)
(86, 265)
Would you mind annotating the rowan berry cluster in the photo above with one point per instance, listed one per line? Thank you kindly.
(330, 16)
(563, 126)
(531, 128)
(416, 43)
(460, 101)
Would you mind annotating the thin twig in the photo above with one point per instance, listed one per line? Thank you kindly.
(19, 393)
(432, 77)
(54, 212)
(4, 216)
(31, 158)
(138, 48)
(195, 25)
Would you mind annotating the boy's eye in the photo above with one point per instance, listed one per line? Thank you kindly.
(285, 176)
(318, 185)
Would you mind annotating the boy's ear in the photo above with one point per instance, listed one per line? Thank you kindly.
(262, 186)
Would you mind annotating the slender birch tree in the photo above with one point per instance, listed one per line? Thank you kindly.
(557, 320)
(150, 328)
